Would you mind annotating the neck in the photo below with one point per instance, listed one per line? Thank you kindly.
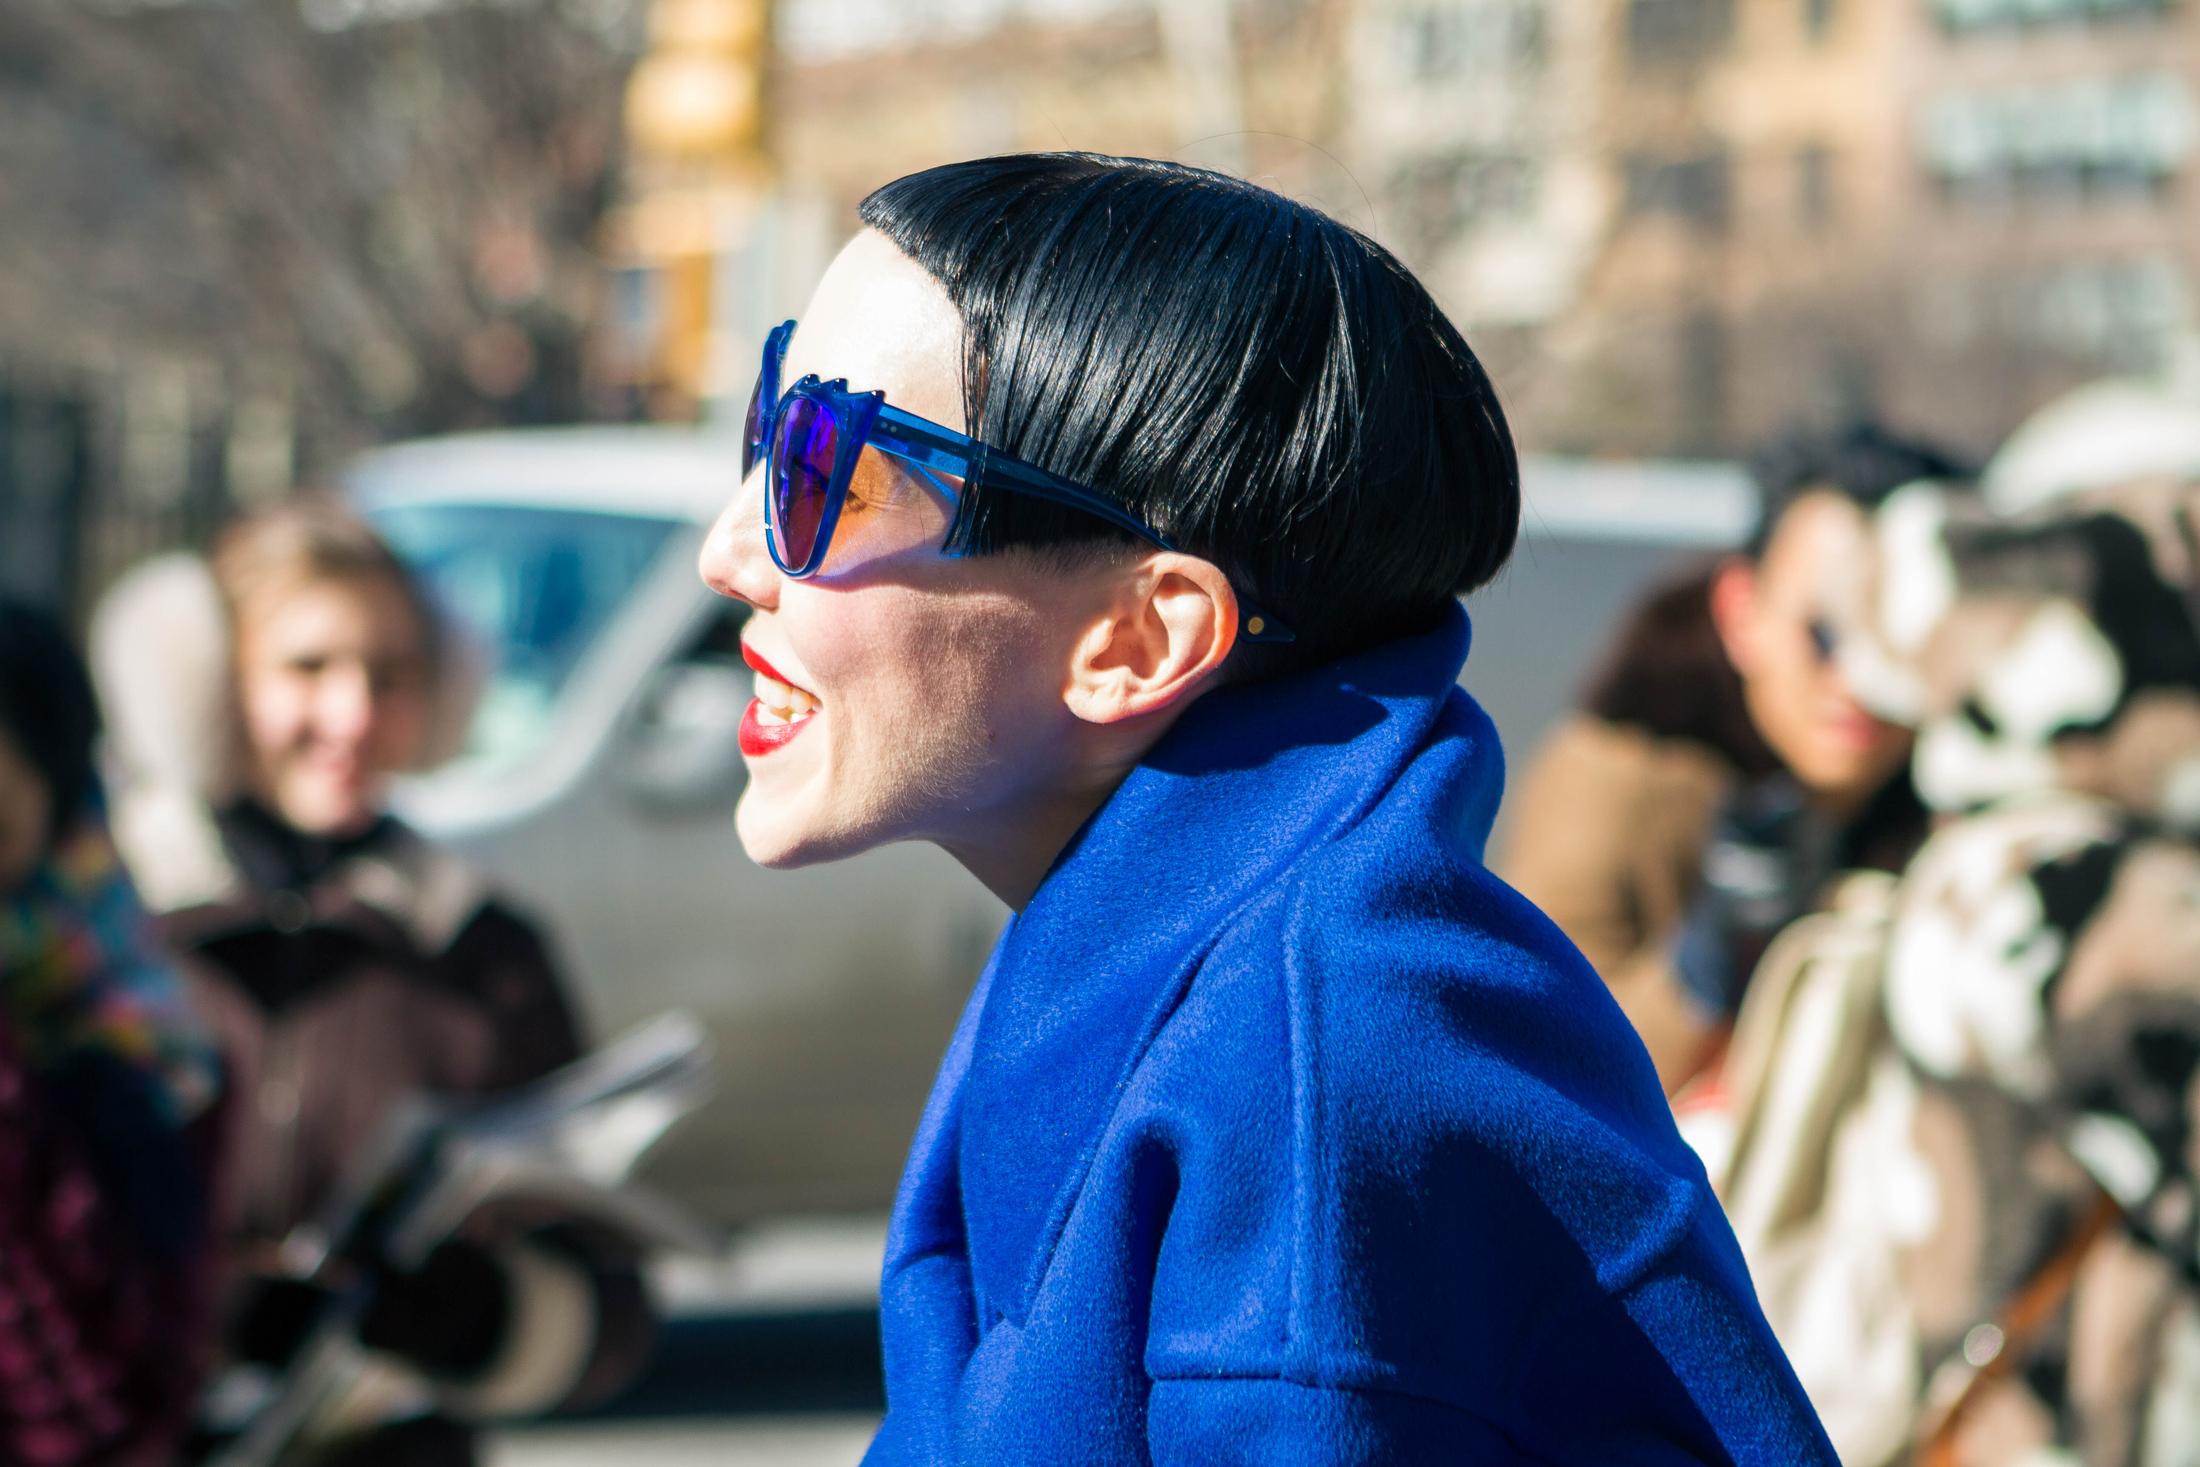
(1838, 808)
(1011, 847)
(273, 852)
(1012, 862)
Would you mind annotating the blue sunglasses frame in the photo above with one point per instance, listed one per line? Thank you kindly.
(867, 419)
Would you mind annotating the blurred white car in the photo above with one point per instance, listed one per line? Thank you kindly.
(599, 785)
(604, 767)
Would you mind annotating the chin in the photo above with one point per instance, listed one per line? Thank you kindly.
(781, 839)
(1847, 775)
(330, 808)
(330, 822)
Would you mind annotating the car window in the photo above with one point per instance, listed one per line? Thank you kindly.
(535, 587)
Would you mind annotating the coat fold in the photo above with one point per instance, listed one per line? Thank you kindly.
(1279, 1129)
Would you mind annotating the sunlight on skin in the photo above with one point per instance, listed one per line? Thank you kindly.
(988, 704)
(1799, 700)
(332, 683)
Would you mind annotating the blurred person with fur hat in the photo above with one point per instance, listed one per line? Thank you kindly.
(259, 703)
(1721, 769)
(108, 1086)
(1968, 1101)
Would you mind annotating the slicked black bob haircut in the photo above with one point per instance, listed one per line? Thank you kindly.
(1266, 386)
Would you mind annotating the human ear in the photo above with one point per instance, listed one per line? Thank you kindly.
(1734, 609)
(1170, 623)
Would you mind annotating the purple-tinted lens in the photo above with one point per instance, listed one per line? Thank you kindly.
(807, 446)
(752, 431)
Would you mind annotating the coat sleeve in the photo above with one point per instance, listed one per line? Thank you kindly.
(1682, 1367)
(1679, 1371)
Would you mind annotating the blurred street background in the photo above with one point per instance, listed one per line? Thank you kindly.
(245, 242)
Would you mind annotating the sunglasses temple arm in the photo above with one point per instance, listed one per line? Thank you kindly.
(907, 437)
(1024, 480)
(938, 450)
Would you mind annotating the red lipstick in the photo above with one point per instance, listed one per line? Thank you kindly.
(759, 738)
(755, 659)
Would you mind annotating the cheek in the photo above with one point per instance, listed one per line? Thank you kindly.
(1754, 644)
(1783, 686)
(400, 722)
(887, 661)
(929, 688)
(278, 711)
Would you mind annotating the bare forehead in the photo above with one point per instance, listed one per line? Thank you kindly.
(329, 614)
(880, 320)
(1820, 530)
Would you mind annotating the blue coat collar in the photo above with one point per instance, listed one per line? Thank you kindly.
(1245, 783)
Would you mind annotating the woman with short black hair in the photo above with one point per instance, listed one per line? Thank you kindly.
(1104, 526)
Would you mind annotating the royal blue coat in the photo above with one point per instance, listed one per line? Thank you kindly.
(1279, 1130)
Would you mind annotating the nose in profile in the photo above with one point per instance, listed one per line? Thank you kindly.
(735, 561)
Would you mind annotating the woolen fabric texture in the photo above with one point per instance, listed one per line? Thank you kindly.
(1279, 1130)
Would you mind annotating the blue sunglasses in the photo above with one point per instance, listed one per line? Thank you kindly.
(810, 436)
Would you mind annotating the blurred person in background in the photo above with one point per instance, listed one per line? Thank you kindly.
(1963, 1169)
(1721, 769)
(108, 1086)
(260, 702)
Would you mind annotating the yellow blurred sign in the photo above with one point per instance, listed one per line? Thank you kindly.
(699, 168)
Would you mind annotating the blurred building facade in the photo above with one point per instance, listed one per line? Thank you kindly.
(2050, 233)
(859, 92)
(1792, 212)
(1671, 226)
(241, 240)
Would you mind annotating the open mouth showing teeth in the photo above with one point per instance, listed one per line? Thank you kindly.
(779, 702)
(778, 711)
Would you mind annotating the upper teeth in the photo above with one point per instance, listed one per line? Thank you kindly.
(780, 702)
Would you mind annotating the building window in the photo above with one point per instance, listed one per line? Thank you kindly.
(1442, 42)
(816, 32)
(1967, 15)
(2099, 136)
(2123, 313)
(1814, 185)
(2119, 313)
(1693, 188)
(1677, 32)
(1436, 198)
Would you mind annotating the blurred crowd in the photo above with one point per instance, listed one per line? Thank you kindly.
(1884, 831)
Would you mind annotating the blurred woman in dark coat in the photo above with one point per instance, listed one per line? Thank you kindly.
(261, 702)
